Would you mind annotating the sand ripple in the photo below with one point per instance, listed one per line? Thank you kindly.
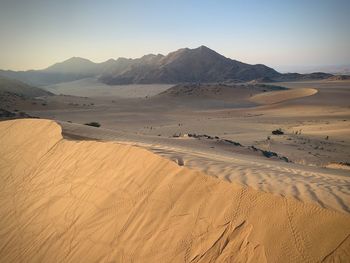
(93, 201)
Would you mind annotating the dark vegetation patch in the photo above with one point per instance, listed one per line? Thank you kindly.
(93, 124)
(267, 87)
(198, 136)
(344, 163)
(8, 115)
(233, 142)
(269, 154)
(278, 132)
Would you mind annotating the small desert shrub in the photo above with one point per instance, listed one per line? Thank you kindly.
(93, 124)
(6, 113)
(278, 132)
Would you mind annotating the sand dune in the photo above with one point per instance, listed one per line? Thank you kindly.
(272, 97)
(94, 201)
(327, 188)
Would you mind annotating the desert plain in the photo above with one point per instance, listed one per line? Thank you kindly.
(217, 172)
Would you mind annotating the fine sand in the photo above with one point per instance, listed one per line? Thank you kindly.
(316, 126)
(329, 188)
(280, 96)
(91, 87)
(89, 201)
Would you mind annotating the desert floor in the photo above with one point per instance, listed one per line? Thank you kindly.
(282, 184)
(318, 111)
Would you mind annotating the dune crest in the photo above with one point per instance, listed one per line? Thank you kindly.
(94, 201)
(272, 97)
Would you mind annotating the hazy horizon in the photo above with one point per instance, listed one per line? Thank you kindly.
(288, 36)
(282, 68)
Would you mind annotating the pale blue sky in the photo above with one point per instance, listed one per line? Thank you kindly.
(37, 33)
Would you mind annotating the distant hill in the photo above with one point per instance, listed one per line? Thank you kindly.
(72, 69)
(21, 89)
(332, 69)
(205, 96)
(339, 77)
(41, 77)
(182, 66)
(216, 91)
(301, 77)
(261, 80)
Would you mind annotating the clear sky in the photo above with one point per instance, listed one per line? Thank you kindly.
(37, 33)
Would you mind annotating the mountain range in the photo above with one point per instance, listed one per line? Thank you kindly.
(185, 65)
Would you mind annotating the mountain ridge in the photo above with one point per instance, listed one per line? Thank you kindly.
(184, 65)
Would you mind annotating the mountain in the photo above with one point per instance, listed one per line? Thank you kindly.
(134, 71)
(41, 77)
(182, 66)
(77, 68)
(75, 65)
(72, 69)
(190, 65)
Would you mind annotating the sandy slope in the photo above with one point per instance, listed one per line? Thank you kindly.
(321, 120)
(91, 87)
(325, 187)
(91, 201)
(272, 97)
